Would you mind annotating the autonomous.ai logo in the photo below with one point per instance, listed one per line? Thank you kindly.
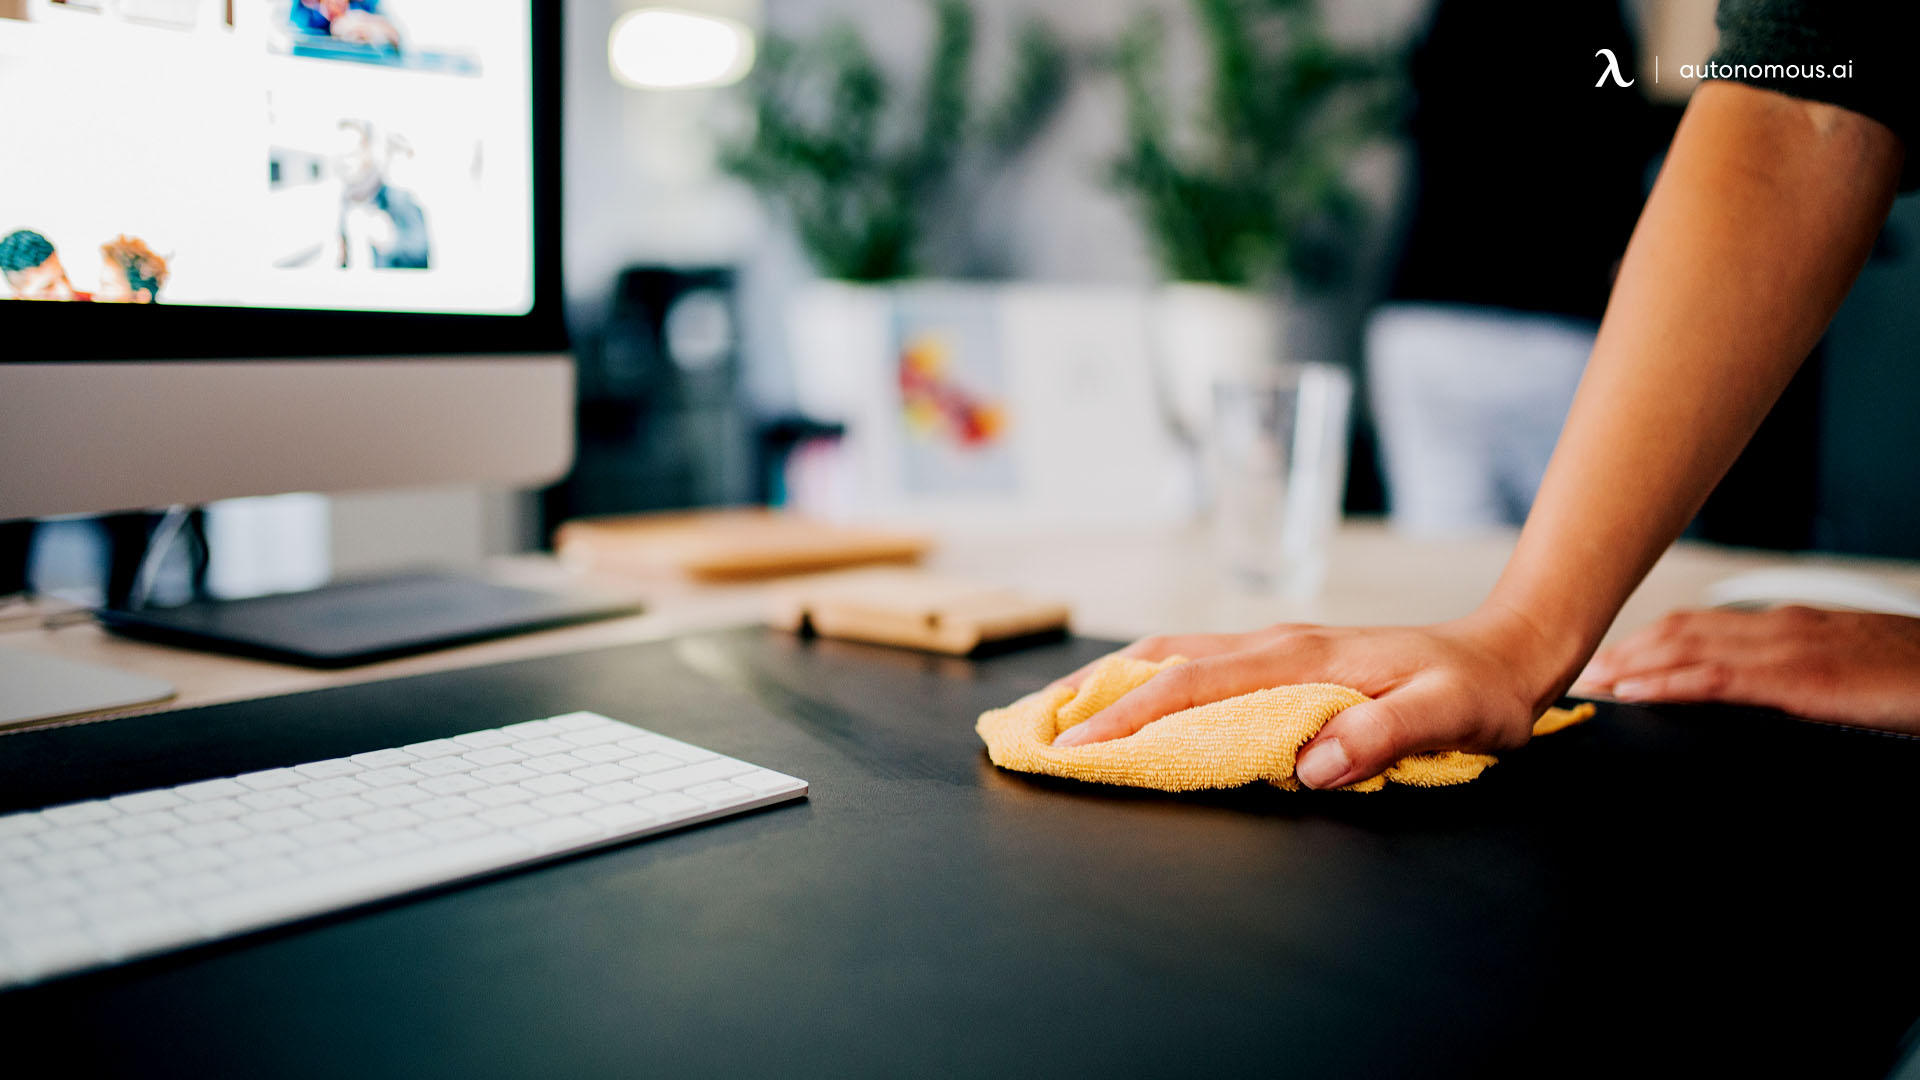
(1612, 69)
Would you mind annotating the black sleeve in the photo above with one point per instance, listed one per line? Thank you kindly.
(1856, 54)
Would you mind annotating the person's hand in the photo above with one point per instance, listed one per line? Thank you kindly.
(1474, 684)
(1840, 666)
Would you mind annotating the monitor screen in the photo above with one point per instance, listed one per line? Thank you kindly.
(370, 156)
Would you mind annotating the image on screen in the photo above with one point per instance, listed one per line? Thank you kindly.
(353, 155)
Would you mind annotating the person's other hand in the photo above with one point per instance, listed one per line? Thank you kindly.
(1464, 685)
(1846, 667)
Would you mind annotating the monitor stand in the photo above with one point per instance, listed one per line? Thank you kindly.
(36, 687)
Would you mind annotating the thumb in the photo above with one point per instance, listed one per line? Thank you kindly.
(1357, 744)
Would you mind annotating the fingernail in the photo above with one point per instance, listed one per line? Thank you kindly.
(1324, 765)
(1071, 736)
(1633, 689)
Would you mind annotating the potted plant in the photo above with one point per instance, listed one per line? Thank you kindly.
(918, 367)
(1249, 208)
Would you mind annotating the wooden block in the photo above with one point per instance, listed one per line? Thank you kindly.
(916, 611)
(728, 545)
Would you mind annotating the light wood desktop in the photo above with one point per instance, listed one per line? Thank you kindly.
(1119, 584)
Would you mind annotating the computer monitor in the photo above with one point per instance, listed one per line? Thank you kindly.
(263, 246)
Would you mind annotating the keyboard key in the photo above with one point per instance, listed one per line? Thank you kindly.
(704, 773)
(560, 805)
(402, 795)
(650, 763)
(268, 779)
(82, 813)
(483, 740)
(453, 806)
(264, 871)
(456, 784)
(74, 836)
(120, 874)
(581, 721)
(557, 784)
(504, 774)
(142, 801)
(455, 828)
(142, 932)
(345, 806)
(275, 799)
(389, 777)
(496, 755)
(152, 821)
(508, 817)
(273, 821)
(213, 809)
(391, 818)
(443, 766)
(718, 793)
(686, 752)
(118, 903)
(502, 796)
(617, 792)
(435, 749)
(768, 782)
(193, 886)
(23, 825)
(621, 817)
(324, 833)
(332, 789)
(531, 729)
(561, 832)
(331, 857)
(266, 846)
(670, 804)
(555, 763)
(384, 844)
(212, 832)
(598, 736)
(603, 774)
(37, 955)
(535, 748)
(383, 759)
(329, 769)
(62, 863)
(192, 860)
(210, 789)
(605, 752)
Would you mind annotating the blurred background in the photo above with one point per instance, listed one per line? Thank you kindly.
(1004, 261)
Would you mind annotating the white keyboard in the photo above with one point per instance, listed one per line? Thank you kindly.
(95, 883)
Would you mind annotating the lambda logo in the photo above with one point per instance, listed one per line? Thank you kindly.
(1612, 68)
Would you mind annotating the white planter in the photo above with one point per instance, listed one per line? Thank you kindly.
(1013, 405)
(1205, 333)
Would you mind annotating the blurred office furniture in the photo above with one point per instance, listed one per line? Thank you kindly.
(1868, 499)
(662, 424)
(1468, 402)
(1377, 576)
(735, 544)
(1528, 181)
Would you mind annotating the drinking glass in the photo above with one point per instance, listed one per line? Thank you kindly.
(1277, 460)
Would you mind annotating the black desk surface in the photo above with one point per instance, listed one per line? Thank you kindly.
(1650, 893)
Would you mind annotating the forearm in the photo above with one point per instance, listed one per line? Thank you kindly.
(1761, 219)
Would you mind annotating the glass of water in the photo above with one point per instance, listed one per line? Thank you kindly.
(1277, 461)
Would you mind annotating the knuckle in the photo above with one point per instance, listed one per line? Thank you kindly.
(1716, 678)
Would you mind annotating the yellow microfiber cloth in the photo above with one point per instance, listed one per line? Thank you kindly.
(1221, 745)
